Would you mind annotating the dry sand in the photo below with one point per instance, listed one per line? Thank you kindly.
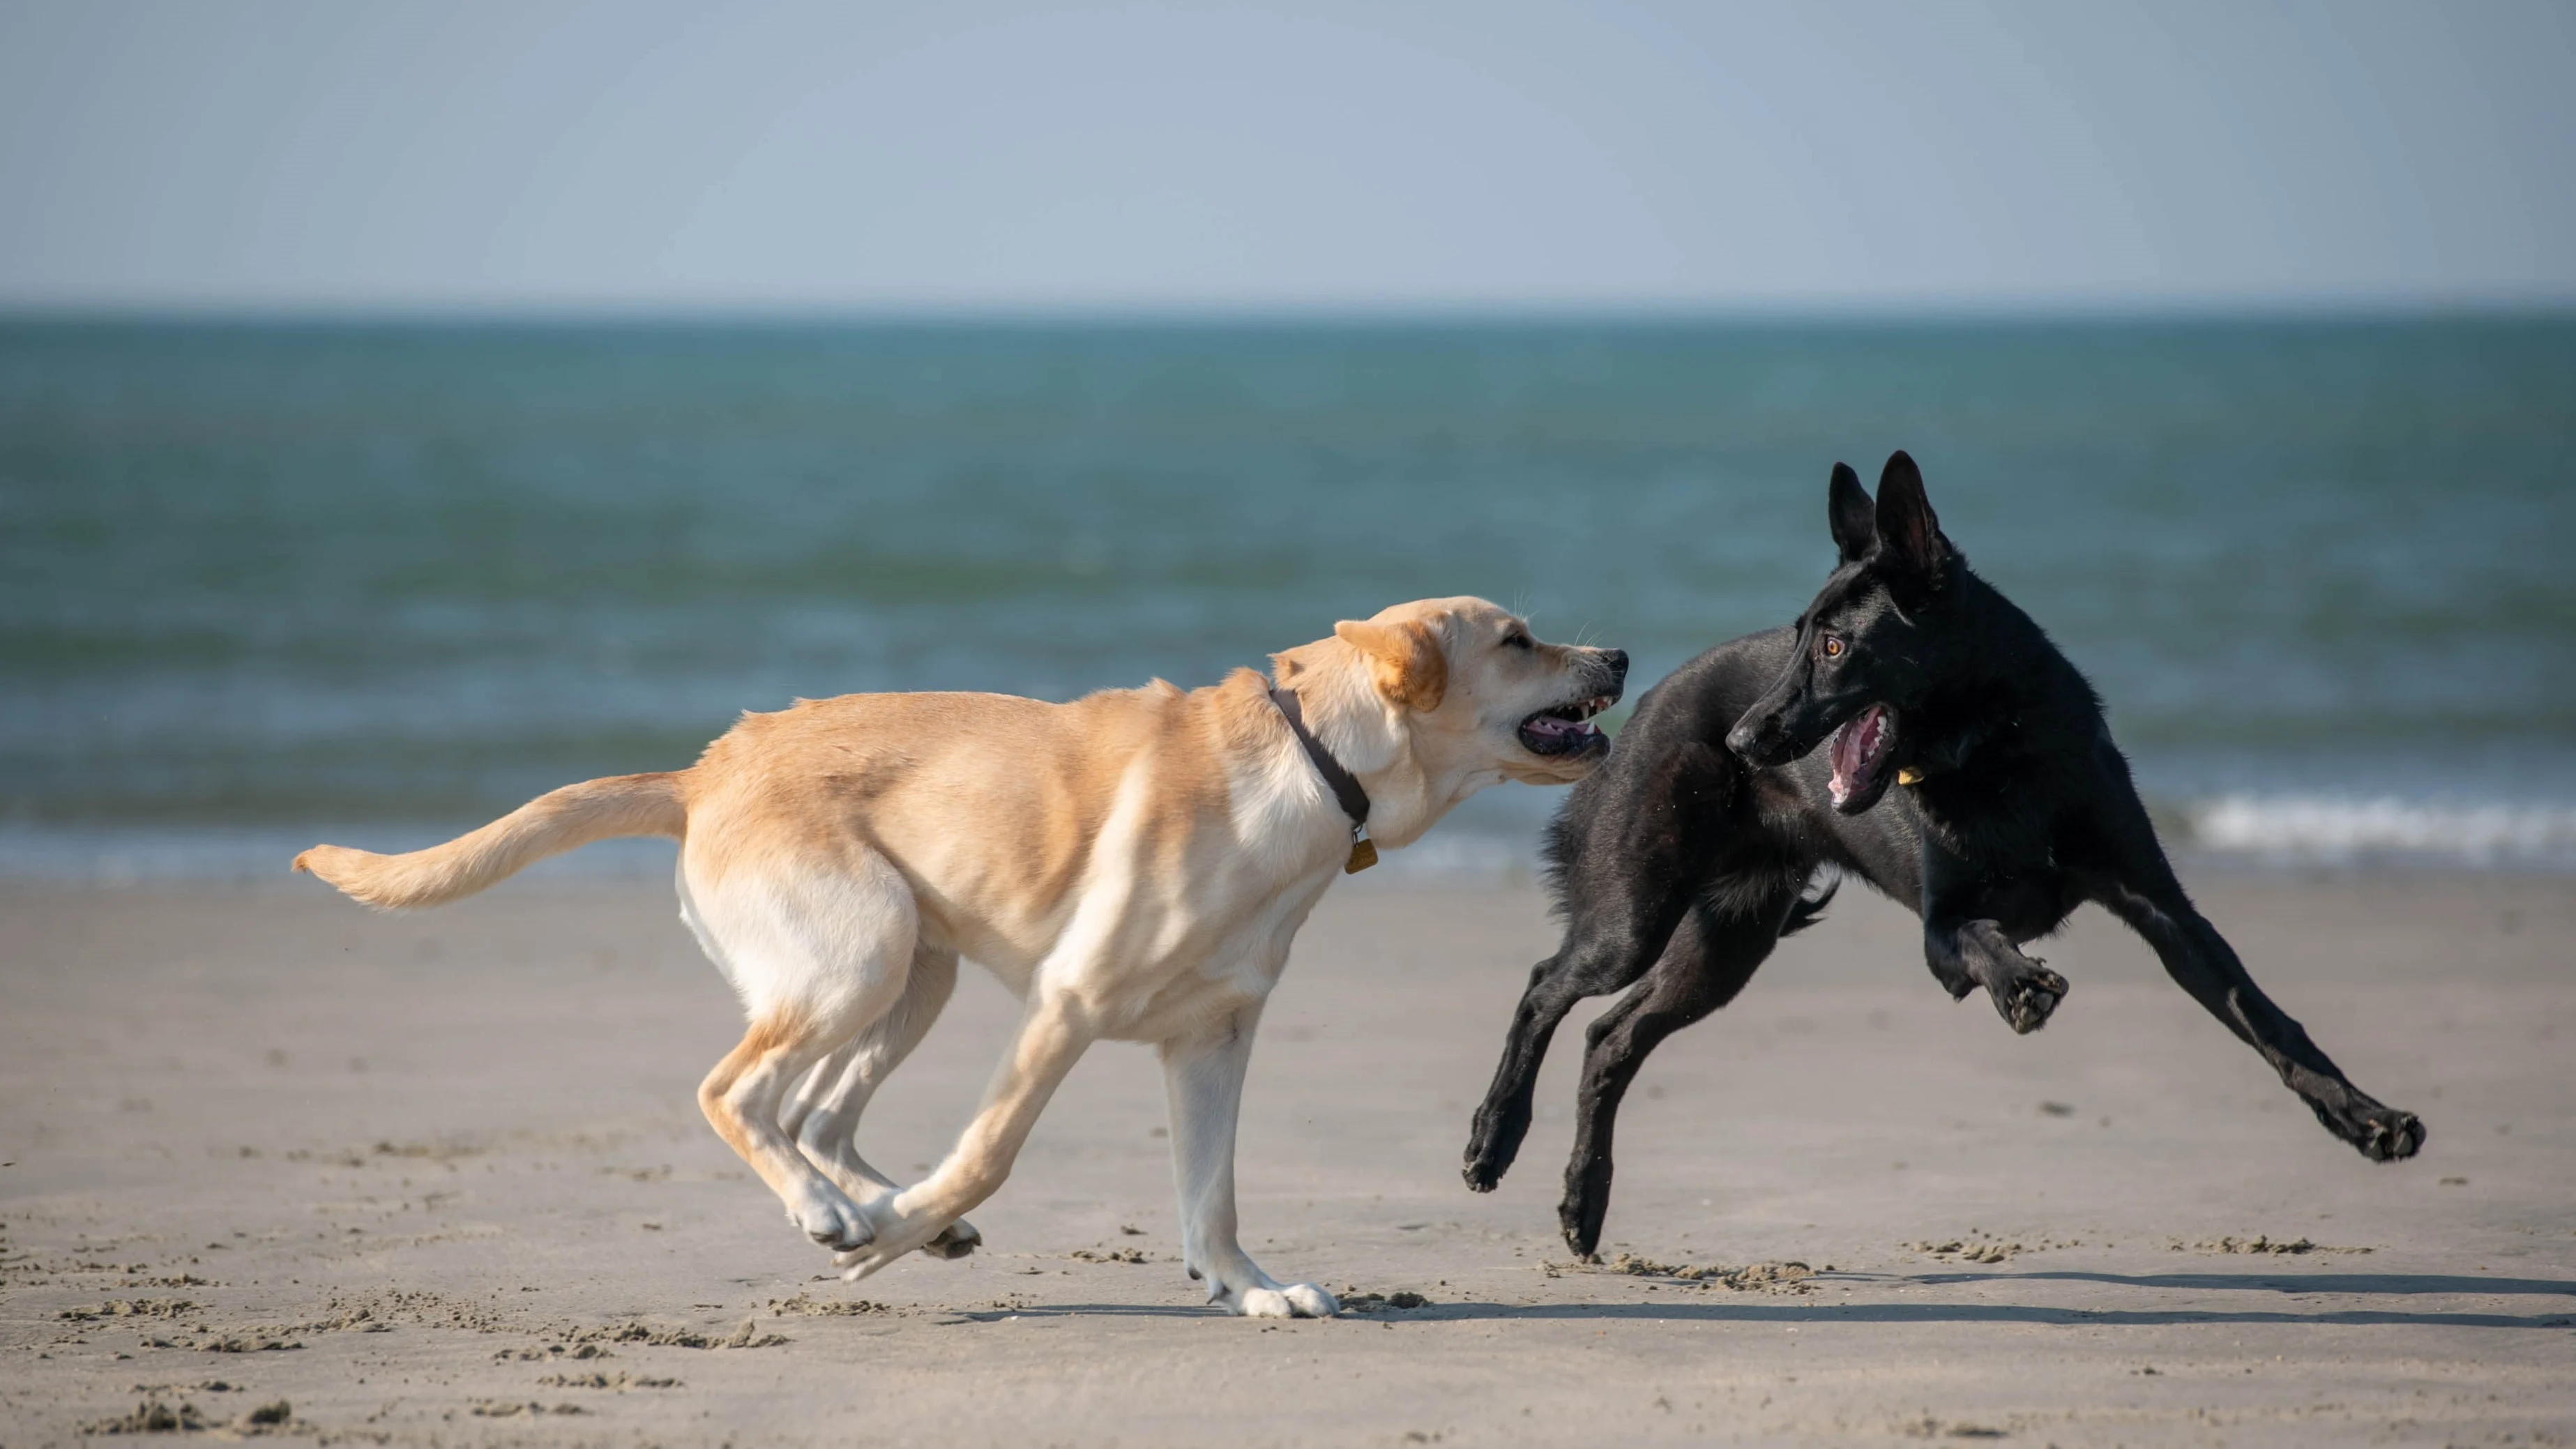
(440, 1179)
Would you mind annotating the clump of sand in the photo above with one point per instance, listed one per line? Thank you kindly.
(1979, 1246)
(809, 1306)
(2258, 1244)
(1355, 1301)
(1788, 1276)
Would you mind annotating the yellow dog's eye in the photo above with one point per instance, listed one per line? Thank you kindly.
(1833, 647)
(1517, 640)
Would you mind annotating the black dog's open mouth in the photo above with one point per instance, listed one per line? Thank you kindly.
(1860, 754)
(1567, 729)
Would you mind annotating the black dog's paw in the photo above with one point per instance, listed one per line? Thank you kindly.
(2388, 1135)
(1491, 1146)
(1585, 1206)
(2382, 1134)
(1582, 1238)
(2026, 1000)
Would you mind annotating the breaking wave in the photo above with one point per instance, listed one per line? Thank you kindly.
(2344, 830)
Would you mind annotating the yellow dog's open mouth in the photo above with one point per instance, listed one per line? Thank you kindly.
(1566, 729)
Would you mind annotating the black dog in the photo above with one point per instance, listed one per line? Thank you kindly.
(1717, 827)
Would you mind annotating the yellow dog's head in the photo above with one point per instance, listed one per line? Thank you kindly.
(1475, 695)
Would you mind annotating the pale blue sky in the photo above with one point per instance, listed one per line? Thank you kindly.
(1322, 155)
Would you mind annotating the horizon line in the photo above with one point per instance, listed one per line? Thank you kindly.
(326, 313)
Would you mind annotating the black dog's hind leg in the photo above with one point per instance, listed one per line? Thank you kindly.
(2141, 890)
(2202, 963)
(1966, 946)
(1632, 866)
(1708, 962)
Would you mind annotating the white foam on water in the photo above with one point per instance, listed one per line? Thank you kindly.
(2344, 830)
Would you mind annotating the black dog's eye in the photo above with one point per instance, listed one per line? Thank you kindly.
(1518, 640)
(1832, 647)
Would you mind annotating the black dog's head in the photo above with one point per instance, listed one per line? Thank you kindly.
(1866, 650)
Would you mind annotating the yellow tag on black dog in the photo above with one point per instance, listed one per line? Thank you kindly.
(1363, 855)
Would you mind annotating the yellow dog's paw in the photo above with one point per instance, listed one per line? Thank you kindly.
(954, 1241)
(831, 1220)
(1295, 1300)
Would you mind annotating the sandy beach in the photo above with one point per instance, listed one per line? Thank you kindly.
(440, 1179)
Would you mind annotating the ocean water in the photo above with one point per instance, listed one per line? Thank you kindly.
(267, 584)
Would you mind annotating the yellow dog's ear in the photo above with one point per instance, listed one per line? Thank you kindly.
(1404, 658)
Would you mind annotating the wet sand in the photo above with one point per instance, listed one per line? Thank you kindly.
(440, 1179)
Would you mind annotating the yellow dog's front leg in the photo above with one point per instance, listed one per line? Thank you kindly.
(1203, 1079)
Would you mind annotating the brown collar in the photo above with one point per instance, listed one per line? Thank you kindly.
(1345, 786)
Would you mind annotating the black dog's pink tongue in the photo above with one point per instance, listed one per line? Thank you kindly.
(1854, 745)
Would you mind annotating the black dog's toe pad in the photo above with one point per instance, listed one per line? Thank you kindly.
(1491, 1146)
(2026, 1001)
(2382, 1134)
(2389, 1135)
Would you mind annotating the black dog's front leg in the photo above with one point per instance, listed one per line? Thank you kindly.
(1967, 949)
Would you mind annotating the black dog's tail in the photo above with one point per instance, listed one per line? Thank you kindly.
(1813, 900)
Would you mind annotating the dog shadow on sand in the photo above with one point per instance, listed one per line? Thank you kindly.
(1790, 1312)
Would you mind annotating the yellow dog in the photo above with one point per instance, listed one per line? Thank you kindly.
(1133, 865)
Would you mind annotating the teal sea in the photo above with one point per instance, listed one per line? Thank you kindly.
(263, 584)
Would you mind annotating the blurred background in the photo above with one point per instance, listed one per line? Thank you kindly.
(405, 409)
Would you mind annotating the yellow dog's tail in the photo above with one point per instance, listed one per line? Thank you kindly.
(551, 824)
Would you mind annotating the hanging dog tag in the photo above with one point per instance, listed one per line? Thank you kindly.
(1363, 855)
(1908, 775)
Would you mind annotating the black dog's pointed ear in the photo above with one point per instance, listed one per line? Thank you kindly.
(1848, 508)
(1908, 533)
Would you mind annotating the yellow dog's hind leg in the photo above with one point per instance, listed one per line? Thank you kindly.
(819, 957)
(823, 1116)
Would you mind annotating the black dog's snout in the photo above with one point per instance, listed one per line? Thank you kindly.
(1754, 738)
